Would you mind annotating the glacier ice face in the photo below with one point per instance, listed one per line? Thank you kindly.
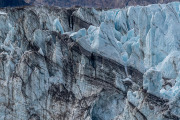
(57, 26)
(105, 42)
(148, 40)
(170, 65)
(88, 64)
(170, 70)
(152, 81)
(79, 34)
(144, 32)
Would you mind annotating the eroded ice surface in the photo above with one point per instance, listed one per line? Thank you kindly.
(47, 75)
(146, 38)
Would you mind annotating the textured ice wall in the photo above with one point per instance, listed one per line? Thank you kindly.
(88, 64)
(146, 38)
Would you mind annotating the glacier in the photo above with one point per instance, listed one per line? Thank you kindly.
(90, 64)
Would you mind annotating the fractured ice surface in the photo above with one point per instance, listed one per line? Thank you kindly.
(79, 34)
(146, 38)
(124, 66)
(57, 26)
(152, 81)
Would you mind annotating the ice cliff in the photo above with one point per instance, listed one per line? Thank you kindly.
(90, 64)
